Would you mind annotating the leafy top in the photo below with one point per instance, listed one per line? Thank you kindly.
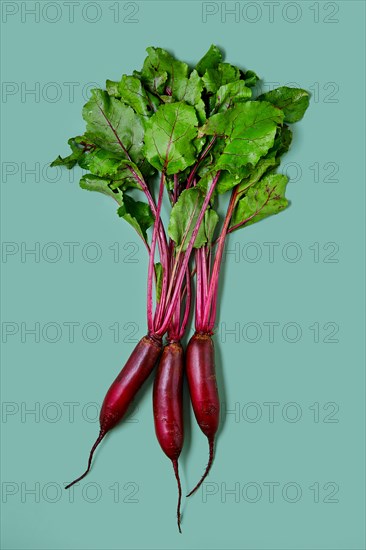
(196, 125)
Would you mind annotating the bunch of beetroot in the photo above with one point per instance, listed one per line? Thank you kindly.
(183, 137)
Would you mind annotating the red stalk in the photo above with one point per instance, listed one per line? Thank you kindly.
(199, 305)
(162, 242)
(183, 267)
(253, 215)
(204, 272)
(188, 305)
(195, 167)
(208, 319)
(150, 277)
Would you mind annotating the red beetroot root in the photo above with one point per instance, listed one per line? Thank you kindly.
(125, 387)
(168, 408)
(200, 368)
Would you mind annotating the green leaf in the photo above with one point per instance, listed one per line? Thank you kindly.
(183, 218)
(222, 74)
(265, 164)
(153, 77)
(210, 161)
(169, 137)
(105, 164)
(158, 280)
(282, 141)
(137, 214)
(113, 126)
(265, 198)
(190, 91)
(133, 94)
(229, 94)
(125, 178)
(100, 185)
(207, 169)
(210, 221)
(210, 60)
(112, 88)
(228, 180)
(199, 143)
(154, 100)
(292, 101)
(250, 78)
(244, 177)
(204, 183)
(247, 175)
(161, 72)
(250, 129)
(172, 76)
(78, 147)
(101, 163)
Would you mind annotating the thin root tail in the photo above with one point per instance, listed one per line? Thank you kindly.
(211, 441)
(99, 439)
(176, 471)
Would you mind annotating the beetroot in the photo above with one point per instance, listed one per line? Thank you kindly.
(125, 387)
(200, 368)
(168, 408)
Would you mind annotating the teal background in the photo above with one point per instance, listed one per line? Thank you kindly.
(37, 450)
